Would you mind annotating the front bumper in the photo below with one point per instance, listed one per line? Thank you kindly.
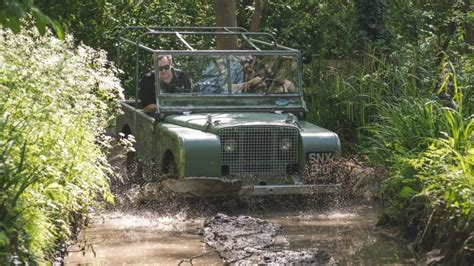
(209, 187)
(289, 189)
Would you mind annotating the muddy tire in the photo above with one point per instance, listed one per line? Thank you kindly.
(169, 169)
(134, 169)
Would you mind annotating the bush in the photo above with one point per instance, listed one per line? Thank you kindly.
(55, 100)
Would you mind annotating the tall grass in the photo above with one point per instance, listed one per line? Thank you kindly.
(428, 143)
(409, 125)
(415, 117)
(346, 95)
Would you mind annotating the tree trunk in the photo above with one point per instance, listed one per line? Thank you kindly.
(469, 26)
(257, 16)
(225, 17)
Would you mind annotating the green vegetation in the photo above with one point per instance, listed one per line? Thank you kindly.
(411, 108)
(13, 11)
(55, 100)
(429, 147)
(395, 79)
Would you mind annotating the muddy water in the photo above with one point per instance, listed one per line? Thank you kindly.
(118, 238)
(347, 233)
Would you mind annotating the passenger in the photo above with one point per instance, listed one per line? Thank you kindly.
(251, 80)
(215, 76)
(274, 76)
(172, 80)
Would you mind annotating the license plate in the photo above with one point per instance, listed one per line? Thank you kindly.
(317, 162)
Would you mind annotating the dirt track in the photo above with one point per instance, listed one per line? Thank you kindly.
(147, 236)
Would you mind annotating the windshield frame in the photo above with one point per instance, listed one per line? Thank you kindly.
(197, 101)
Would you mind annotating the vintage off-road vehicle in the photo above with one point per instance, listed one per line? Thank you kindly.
(226, 137)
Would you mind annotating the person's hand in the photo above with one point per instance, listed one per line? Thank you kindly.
(255, 81)
(288, 86)
(149, 108)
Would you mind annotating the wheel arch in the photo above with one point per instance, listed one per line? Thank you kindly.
(195, 153)
(168, 163)
(126, 130)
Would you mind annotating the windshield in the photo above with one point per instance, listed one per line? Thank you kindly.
(231, 74)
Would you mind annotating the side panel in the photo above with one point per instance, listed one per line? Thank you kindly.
(140, 125)
(197, 153)
(144, 135)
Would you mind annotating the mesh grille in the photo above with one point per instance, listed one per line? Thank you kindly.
(259, 150)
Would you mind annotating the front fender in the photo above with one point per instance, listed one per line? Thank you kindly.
(197, 153)
(318, 140)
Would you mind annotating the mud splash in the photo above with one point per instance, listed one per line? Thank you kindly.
(168, 232)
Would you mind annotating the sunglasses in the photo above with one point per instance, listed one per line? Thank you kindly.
(246, 61)
(165, 67)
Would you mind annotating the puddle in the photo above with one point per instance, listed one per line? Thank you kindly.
(347, 234)
(121, 238)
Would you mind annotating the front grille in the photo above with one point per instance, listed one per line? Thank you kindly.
(259, 150)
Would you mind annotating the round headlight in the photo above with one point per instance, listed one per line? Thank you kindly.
(230, 145)
(285, 144)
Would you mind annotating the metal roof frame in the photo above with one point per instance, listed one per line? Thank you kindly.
(253, 39)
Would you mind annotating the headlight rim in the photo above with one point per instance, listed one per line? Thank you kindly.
(230, 146)
(286, 144)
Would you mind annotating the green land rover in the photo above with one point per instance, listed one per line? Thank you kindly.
(225, 136)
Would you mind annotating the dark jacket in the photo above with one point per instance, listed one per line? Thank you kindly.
(180, 82)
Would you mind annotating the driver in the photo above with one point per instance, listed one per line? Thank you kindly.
(171, 80)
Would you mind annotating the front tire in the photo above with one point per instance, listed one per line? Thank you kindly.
(134, 168)
(169, 169)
